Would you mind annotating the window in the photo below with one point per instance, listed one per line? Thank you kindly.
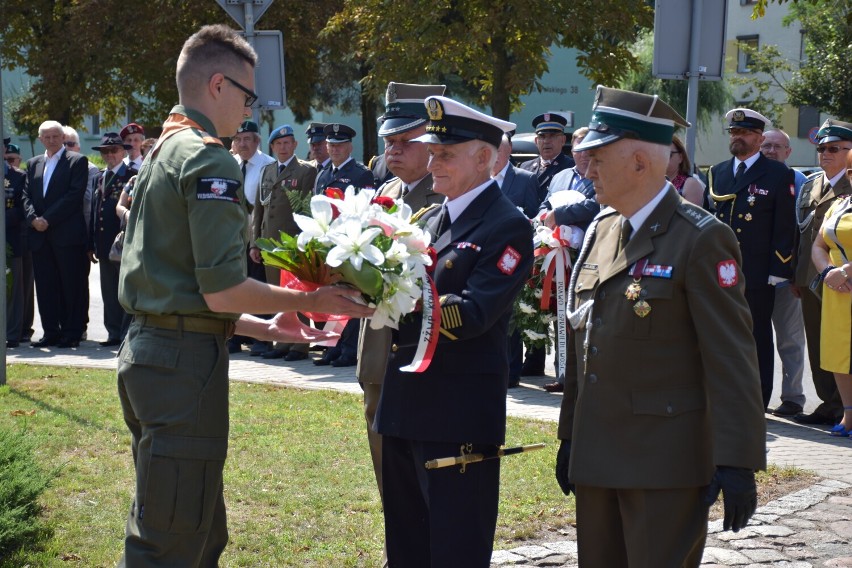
(747, 2)
(808, 118)
(751, 42)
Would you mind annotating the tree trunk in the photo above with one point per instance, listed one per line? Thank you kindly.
(501, 106)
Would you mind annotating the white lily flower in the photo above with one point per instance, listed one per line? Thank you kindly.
(526, 308)
(535, 336)
(353, 243)
(316, 226)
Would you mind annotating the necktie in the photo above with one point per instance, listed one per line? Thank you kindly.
(624, 237)
(281, 168)
(107, 179)
(444, 222)
(740, 171)
(243, 168)
(545, 163)
(334, 172)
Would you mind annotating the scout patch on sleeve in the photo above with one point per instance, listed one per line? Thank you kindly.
(218, 189)
(727, 273)
(508, 260)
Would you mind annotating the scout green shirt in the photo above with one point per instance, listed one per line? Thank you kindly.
(186, 232)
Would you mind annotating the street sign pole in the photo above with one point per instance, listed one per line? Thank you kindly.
(694, 75)
(248, 5)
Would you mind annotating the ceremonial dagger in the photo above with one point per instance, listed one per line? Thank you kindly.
(467, 458)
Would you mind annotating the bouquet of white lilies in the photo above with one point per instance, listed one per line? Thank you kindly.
(359, 239)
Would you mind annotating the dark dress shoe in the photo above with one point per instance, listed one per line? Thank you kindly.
(787, 409)
(46, 342)
(345, 361)
(295, 356)
(514, 382)
(12, 344)
(554, 387)
(330, 355)
(258, 348)
(273, 354)
(110, 343)
(68, 343)
(815, 419)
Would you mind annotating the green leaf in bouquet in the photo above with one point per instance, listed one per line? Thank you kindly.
(308, 265)
(369, 279)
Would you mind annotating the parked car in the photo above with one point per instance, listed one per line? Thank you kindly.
(524, 148)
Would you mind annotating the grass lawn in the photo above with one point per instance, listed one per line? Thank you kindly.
(299, 483)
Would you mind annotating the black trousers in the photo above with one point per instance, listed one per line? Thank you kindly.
(62, 290)
(761, 301)
(438, 518)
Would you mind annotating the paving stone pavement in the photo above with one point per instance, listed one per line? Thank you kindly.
(808, 528)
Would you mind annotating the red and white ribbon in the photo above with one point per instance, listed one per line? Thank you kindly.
(556, 262)
(429, 328)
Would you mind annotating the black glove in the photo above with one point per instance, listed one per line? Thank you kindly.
(563, 457)
(739, 494)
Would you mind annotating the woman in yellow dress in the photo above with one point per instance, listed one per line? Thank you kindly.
(831, 255)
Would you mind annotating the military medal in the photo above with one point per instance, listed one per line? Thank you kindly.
(633, 290)
(748, 217)
(641, 308)
(752, 189)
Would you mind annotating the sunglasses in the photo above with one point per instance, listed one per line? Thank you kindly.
(831, 149)
(69, 144)
(251, 96)
(112, 150)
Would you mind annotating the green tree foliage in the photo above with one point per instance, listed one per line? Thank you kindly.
(769, 72)
(823, 79)
(22, 480)
(713, 96)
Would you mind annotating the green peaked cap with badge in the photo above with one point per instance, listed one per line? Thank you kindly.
(618, 114)
(833, 131)
(404, 109)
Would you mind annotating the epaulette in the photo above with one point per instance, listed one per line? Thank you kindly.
(423, 211)
(814, 175)
(605, 212)
(697, 216)
(207, 139)
(384, 185)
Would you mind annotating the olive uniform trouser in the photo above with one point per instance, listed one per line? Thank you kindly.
(173, 386)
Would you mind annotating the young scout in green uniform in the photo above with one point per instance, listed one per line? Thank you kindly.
(666, 409)
(183, 278)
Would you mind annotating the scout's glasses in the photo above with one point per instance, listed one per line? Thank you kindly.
(251, 97)
(831, 149)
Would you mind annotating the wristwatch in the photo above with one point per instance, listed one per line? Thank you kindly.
(825, 271)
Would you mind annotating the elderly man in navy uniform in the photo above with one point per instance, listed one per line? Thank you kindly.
(104, 228)
(666, 408)
(343, 170)
(755, 196)
(404, 120)
(815, 197)
(444, 517)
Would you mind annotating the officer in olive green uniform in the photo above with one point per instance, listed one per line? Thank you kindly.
(183, 278)
(667, 398)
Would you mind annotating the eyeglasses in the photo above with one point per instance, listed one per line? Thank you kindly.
(776, 147)
(112, 150)
(251, 96)
(831, 149)
(69, 144)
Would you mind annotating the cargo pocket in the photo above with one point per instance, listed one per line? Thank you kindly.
(184, 479)
(669, 401)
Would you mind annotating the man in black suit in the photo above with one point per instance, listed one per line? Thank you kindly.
(104, 228)
(53, 204)
(755, 196)
(549, 139)
(14, 181)
(520, 186)
(443, 517)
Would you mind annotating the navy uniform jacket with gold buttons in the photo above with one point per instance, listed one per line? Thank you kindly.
(483, 260)
(105, 224)
(761, 211)
(661, 400)
(545, 176)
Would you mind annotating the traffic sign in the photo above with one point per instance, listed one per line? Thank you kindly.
(812, 134)
(269, 73)
(237, 10)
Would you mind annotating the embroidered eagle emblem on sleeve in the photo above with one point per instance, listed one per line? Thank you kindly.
(727, 273)
(508, 261)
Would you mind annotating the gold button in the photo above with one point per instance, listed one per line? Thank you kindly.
(448, 264)
(394, 347)
(739, 230)
(740, 216)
